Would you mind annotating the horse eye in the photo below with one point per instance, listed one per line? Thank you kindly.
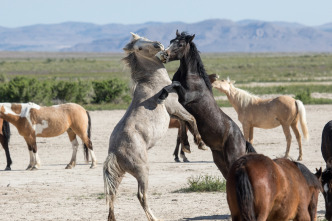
(181, 45)
(140, 48)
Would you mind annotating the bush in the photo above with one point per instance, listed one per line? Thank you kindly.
(108, 90)
(205, 184)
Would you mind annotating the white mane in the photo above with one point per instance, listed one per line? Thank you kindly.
(242, 97)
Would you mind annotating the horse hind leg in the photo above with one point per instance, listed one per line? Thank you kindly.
(74, 143)
(298, 138)
(288, 138)
(142, 179)
(5, 147)
(176, 151)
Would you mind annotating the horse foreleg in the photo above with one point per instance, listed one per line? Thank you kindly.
(5, 147)
(246, 131)
(185, 146)
(288, 138)
(176, 151)
(298, 138)
(251, 135)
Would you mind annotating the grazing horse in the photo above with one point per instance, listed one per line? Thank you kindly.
(259, 188)
(326, 148)
(254, 111)
(4, 140)
(193, 86)
(176, 124)
(32, 120)
(143, 124)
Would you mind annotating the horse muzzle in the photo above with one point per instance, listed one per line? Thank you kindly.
(163, 56)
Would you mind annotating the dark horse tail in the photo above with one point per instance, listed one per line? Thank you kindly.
(86, 148)
(250, 148)
(6, 132)
(244, 195)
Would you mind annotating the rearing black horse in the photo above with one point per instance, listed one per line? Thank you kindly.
(192, 84)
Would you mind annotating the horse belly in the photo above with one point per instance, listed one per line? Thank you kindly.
(44, 129)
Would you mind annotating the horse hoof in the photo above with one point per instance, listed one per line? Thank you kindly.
(29, 168)
(69, 166)
(299, 159)
(202, 147)
(186, 160)
(93, 166)
(8, 168)
(34, 168)
(186, 149)
(160, 101)
(177, 160)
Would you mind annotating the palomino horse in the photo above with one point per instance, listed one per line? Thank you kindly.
(4, 140)
(259, 188)
(326, 148)
(254, 111)
(32, 120)
(193, 86)
(176, 124)
(143, 124)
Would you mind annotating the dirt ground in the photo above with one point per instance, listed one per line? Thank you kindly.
(53, 193)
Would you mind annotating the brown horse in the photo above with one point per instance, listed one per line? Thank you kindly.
(4, 140)
(266, 113)
(259, 188)
(32, 120)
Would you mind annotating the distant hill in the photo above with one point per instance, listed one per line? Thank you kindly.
(211, 36)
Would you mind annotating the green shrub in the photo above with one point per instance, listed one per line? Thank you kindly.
(205, 183)
(109, 90)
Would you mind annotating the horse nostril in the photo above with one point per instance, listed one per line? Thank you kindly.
(156, 45)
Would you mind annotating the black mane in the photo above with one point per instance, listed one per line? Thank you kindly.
(310, 177)
(193, 60)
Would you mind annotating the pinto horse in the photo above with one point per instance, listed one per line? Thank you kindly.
(254, 111)
(326, 148)
(193, 86)
(259, 188)
(4, 140)
(32, 120)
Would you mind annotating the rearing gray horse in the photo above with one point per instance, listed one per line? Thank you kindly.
(144, 122)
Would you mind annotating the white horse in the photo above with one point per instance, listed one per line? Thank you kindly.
(144, 122)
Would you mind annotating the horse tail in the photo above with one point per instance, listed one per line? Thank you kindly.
(112, 176)
(303, 118)
(244, 195)
(250, 148)
(6, 132)
(86, 149)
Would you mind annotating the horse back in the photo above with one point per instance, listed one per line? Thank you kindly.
(326, 146)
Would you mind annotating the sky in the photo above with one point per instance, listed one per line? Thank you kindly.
(18, 13)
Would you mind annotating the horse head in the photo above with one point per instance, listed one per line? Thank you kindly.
(223, 85)
(178, 47)
(143, 47)
(326, 180)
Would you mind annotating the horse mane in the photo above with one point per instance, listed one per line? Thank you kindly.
(327, 175)
(310, 177)
(194, 61)
(244, 98)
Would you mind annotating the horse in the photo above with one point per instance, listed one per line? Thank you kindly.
(143, 124)
(176, 124)
(259, 188)
(193, 86)
(4, 140)
(326, 149)
(254, 111)
(32, 120)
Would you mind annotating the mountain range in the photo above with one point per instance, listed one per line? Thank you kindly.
(217, 35)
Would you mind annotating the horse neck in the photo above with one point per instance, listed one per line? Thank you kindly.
(239, 98)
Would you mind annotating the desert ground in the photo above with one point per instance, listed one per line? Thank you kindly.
(54, 193)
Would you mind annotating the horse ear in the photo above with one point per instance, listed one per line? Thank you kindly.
(177, 33)
(135, 36)
(319, 173)
(191, 38)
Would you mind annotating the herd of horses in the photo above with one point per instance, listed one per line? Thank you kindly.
(257, 187)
